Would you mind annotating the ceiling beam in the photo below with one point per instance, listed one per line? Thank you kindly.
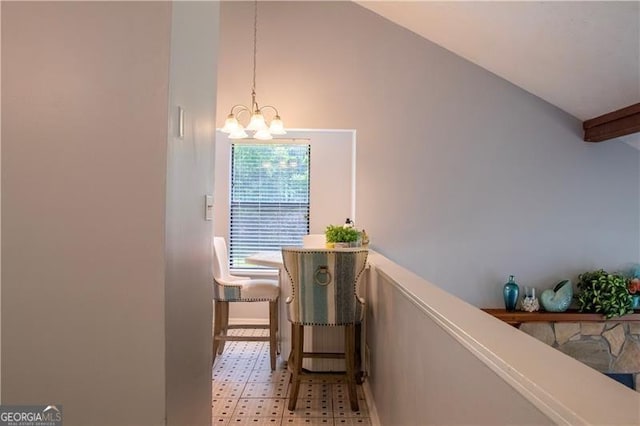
(618, 123)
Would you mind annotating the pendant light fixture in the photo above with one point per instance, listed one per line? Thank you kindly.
(257, 123)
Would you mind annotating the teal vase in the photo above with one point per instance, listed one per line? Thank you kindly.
(636, 301)
(511, 292)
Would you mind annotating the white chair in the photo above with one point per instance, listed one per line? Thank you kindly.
(314, 241)
(229, 288)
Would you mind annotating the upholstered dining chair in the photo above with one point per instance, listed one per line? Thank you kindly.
(324, 292)
(229, 288)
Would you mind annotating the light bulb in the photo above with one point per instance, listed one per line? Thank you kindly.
(277, 126)
(238, 133)
(230, 124)
(257, 122)
(263, 135)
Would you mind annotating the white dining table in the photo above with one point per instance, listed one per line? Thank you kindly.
(273, 259)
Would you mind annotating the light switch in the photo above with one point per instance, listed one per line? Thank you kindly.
(180, 123)
(208, 207)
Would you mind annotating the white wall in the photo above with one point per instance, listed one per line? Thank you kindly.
(100, 311)
(190, 167)
(492, 373)
(461, 176)
(84, 102)
(0, 232)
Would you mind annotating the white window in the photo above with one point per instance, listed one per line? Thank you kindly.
(269, 202)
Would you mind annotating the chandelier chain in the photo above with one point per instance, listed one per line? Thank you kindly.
(255, 40)
(263, 130)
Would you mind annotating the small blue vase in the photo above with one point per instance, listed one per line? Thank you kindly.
(511, 292)
(635, 298)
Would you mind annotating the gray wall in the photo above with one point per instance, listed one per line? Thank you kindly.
(91, 182)
(190, 167)
(461, 176)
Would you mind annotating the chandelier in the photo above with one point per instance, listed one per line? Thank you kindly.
(257, 122)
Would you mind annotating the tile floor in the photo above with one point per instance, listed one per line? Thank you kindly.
(246, 392)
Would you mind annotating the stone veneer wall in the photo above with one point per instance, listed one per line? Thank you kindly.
(609, 347)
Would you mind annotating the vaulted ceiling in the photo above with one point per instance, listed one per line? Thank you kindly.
(582, 56)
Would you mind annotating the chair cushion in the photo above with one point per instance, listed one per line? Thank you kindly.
(249, 290)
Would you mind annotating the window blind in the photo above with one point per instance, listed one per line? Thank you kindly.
(269, 199)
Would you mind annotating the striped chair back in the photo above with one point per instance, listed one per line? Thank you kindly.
(324, 285)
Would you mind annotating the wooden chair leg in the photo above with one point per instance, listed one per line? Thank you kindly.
(224, 324)
(273, 332)
(297, 332)
(217, 327)
(290, 364)
(359, 367)
(278, 327)
(291, 350)
(350, 361)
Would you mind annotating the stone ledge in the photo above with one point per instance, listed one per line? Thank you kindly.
(612, 350)
(609, 346)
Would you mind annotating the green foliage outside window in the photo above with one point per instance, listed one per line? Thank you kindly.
(271, 173)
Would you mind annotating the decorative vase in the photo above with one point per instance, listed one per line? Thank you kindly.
(530, 304)
(558, 299)
(636, 301)
(510, 292)
(530, 301)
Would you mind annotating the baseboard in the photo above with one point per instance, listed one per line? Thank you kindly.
(245, 321)
(368, 396)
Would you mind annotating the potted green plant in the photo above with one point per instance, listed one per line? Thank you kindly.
(341, 236)
(602, 292)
